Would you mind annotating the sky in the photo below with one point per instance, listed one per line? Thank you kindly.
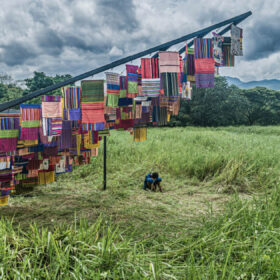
(75, 36)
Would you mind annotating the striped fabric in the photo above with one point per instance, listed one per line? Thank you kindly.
(203, 48)
(93, 126)
(47, 98)
(169, 84)
(149, 68)
(123, 83)
(113, 83)
(169, 62)
(92, 91)
(204, 65)
(217, 48)
(151, 87)
(228, 57)
(92, 112)
(9, 131)
(72, 103)
(204, 80)
(55, 126)
(51, 109)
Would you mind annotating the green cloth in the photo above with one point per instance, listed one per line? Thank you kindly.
(123, 93)
(132, 87)
(11, 133)
(112, 100)
(30, 124)
(92, 91)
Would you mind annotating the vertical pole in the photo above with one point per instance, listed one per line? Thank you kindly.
(104, 161)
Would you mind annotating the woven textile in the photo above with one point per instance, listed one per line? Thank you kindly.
(123, 83)
(46, 177)
(132, 80)
(149, 68)
(228, 57)
(92, 91)
(169, 62)
(169, 84)
(189, 66)
(55, 126)
(187, 91)
(48, 98)
(174, 105)
(72, 103)
(203, 48)
(204, 65)
(93, 126)
(113, 83)
(139, 134)
(9, 132)
(151, 87)
(112, 100)
(204, 80)
(92, 112)
(51, 109)
(217, 48)
(236, 40)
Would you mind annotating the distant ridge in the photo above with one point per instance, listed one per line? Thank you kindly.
(271, 84)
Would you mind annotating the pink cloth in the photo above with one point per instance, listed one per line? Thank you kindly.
(169, 62)
(51, 110)
(29, 133)
(204, 65)
(8, 144)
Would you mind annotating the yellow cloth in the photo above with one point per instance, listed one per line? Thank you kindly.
(27, 143)
(168, 117)
(88, 141)
(46, 177)
(4, 200)
(139, 134)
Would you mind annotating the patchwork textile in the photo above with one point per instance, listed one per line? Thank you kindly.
(151, 87)
(169, 62)
(204, 80)
(72, 103)
(132, 80)
(169, 84)
(236, 40)
(203, 48)
(9, 132)
(139, 134)
(30, 121)
(113, 89)
(218, 49)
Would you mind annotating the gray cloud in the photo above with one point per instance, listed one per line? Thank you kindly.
(73, 36)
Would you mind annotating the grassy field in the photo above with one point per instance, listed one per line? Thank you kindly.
(218, 217)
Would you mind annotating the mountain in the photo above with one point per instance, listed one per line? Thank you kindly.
(271, 84)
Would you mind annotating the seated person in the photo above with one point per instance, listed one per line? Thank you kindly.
(152, 181)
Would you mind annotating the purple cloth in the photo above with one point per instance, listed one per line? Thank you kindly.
(74, 114)
(204, 80)
(66, 137)
(8, 144)
(29, 133)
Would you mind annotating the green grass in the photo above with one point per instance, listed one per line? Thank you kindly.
(218, 217)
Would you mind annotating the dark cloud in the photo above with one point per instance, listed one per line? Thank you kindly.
(264, 39)
(15, 53)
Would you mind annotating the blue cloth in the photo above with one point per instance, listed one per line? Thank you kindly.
(149, 179)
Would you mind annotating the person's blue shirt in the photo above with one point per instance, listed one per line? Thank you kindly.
(149, 179)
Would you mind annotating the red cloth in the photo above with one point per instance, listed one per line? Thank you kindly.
(204, 65)
(8, 144)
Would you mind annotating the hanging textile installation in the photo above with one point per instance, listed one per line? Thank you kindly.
(48, 139)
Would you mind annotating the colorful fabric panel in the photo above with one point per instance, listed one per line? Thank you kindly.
(151, 87)
(169, 84)
(203, 48)
(236, 40)
(169, 62)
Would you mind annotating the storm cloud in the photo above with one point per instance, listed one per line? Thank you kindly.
(74, 36)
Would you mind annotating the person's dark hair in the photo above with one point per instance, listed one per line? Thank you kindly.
(154, 175)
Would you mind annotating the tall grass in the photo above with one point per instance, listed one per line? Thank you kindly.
(243, 243)
(152, 236)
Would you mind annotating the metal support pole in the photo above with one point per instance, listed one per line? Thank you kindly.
(104, 161)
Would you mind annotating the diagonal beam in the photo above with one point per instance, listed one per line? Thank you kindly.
(116, 63)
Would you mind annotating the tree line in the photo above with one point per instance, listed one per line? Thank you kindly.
(222, 105)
